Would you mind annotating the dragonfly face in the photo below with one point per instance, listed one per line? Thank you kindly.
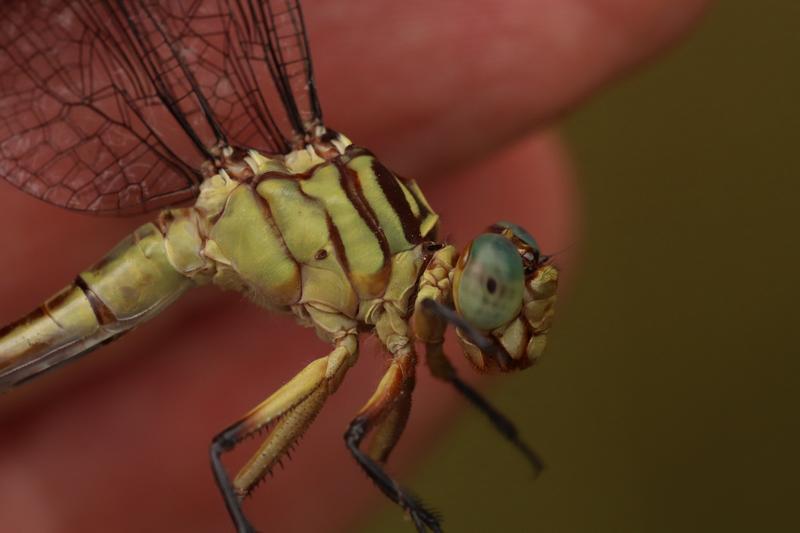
(505, 290)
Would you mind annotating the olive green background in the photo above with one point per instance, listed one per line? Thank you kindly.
(668, 399)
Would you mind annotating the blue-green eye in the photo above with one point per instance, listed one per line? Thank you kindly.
(489, 288)
(521, 234)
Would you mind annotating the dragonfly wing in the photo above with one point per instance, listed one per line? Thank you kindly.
(267, 41)
(113, 108)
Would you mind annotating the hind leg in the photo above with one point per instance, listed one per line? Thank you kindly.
(383, 412)
(291, 409)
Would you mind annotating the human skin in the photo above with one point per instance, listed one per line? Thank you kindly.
(459, 98)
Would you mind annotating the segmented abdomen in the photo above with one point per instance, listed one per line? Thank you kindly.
(135, 281)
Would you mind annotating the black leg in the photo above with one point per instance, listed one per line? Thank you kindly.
(442, 369)
(424, 519)
(224, 442)
(499, 421)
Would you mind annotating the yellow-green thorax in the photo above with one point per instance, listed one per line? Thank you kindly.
(305, 234)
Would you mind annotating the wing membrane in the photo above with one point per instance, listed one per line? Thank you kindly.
(113, 107)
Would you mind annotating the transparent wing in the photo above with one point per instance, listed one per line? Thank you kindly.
(113, 107)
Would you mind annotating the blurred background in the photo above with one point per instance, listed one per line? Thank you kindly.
(668, 398)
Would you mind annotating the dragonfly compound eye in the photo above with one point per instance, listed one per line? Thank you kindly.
(489, 285)
(520, 233)
(528, 246)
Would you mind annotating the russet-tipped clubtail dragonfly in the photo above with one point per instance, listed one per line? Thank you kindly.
(207, 111)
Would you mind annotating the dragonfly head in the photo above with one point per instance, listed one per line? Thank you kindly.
(504, 295)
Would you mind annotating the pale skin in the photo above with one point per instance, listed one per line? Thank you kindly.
(134, 418)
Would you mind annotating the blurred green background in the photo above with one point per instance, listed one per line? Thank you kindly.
(667, 400)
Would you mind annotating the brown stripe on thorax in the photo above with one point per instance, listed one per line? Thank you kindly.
(394, 195)
(373, 284)
(352, 188)
(424, 212)
(423, 209)
(274, 174)
(338, 245)
(267, 213)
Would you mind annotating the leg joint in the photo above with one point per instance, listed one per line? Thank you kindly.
(355, 433)
(224, 441)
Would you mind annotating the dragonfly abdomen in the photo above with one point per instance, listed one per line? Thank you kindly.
(135, 281)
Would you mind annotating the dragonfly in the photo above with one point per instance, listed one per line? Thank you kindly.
(206, 112)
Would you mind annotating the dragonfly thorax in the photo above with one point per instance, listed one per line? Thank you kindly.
(332, 235)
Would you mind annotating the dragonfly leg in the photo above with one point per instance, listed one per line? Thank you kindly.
(430, 327)
(442, 369)
(385, 412)
(288, 413)
(389, 428)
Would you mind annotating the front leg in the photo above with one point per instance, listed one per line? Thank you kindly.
(430, 327)
(291, 409)
(395, 384)
(442, 369)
